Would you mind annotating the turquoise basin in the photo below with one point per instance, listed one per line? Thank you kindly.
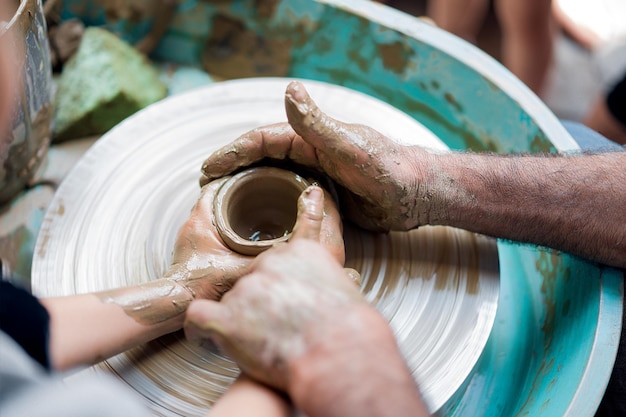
(558, 323)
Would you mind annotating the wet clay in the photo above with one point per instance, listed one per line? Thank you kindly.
(234, 51)
(386, 193)
(151, 303)
(257, 208)
(24, 146)
(396, 268)
(383, 204)
(450, 258)
(395, 56)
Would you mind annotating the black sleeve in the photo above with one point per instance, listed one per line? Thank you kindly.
(616, 101)
(25, 320)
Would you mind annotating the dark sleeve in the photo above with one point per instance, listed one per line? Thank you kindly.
(25, 320)
(616, 101)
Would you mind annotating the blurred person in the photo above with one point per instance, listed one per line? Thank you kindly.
(527, 32)
(607, 115)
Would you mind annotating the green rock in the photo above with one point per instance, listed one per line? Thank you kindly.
(106, 81)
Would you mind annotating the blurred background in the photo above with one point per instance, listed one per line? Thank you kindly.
(589, 45)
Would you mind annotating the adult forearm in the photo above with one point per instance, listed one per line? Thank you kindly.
(576, 203)
(357, 370)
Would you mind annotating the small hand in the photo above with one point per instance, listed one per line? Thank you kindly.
(208, 268)
(378, 176)
(294, 296)
(201, 261)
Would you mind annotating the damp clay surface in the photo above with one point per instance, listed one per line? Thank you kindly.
(437, 286)
(24, 146)
(257, 208)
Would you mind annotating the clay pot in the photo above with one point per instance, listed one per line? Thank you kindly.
(24, 139)
(257, 208)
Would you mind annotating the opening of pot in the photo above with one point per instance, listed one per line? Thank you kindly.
(262, 209)
(257, 208)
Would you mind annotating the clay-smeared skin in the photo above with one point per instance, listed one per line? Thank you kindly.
(313, 322)
(151, 303)
(292, 302)
(296, 282)
(547, 200)
(368, 163)
(379, 172)
(204, 267)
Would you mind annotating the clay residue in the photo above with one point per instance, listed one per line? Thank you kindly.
(541, 144)
(186, 379)
(131, 10)
(395, 56)
(234, 51)
(24, 148)
(369, 155)
(453, 259)
(150, 303)
(26, 155)
(452, 101)
(266, 8)
(549, 265)
(471, 140)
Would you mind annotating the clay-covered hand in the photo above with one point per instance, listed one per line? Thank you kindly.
(295, 295)
(208, 268)
(378, 177)
(201, 261)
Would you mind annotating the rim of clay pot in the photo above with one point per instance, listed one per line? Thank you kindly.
(257, 208)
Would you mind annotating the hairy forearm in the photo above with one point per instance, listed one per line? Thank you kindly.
(356, 370)
(572, 203)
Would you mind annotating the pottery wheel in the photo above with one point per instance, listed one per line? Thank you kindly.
(114, 220)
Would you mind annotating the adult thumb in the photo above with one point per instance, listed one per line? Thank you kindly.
(206, 319)
(310, 214)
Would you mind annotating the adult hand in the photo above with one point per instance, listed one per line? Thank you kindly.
(293, 296)
(379, 178)
(208, 268)
(298, 323)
